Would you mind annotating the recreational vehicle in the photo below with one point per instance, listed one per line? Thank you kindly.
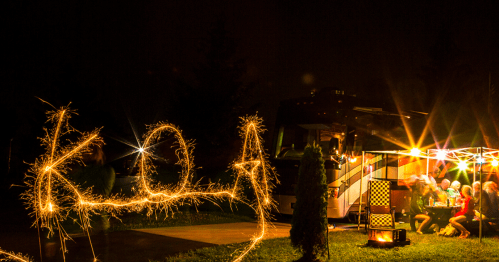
(344, 126)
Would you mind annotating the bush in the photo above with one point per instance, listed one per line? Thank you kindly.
(309, 222)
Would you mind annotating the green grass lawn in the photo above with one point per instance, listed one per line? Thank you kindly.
(350, 246)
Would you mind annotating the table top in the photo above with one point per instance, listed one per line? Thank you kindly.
(442, 207)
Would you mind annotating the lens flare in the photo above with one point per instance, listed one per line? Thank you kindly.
(462, 165)
(415, 152)
(441, 155)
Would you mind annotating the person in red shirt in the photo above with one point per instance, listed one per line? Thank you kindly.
(465, 214)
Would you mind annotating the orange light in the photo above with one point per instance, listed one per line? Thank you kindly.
(415, 152)
(384, 238)
(495, 163)
(44, 188)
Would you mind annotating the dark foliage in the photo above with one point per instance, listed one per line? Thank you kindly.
(309, 223)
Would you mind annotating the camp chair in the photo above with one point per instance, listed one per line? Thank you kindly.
(380, 214)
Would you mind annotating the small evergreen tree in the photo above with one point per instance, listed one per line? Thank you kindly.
(309, 223)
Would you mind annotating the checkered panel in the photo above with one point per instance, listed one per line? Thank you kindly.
(380, 193)
(380, 220)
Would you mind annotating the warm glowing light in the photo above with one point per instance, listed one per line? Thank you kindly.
(441, 155)
(10, 256)
(462, 165)
(384, 239)
(495, 163)
(480, 160)
(415, 151)
(253, 164)
(50, 193)
(353, 160)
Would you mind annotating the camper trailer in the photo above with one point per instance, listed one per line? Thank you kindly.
(344, 126)
(345, 182)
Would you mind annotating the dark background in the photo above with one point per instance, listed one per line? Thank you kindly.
(203, 64)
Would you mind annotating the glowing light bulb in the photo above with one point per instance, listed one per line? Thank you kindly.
(415, 152)
(141, 150)
(495, 163)
(480, 160)
(353, 160)
(441, 155)
(462, 165)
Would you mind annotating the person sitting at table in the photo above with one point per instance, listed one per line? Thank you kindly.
(417, 210)
(456, 186)
(444, 191)
(490, 188)
(465, 214)
(484, 199)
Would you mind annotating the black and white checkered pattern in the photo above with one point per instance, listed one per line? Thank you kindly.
(380, 193)
(380, 196)
(381, 220)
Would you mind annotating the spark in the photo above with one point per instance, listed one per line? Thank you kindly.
(51, 195)
(12, 256)
(253, 165)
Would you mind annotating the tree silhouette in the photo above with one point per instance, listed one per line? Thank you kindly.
(309, 222)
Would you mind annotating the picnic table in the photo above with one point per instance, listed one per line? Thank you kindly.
(440, 214)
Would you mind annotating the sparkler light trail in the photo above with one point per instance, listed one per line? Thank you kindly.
(52, 196)
(10, 256)
(253, 166)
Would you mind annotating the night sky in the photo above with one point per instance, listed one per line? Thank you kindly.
(120, 62)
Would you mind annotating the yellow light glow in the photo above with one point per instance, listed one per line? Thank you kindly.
(441, 155)
(384, 239)
(353, 160)
(415, 151)
(11, 256)
(462, 165)
(495, 163)
(48, 186)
